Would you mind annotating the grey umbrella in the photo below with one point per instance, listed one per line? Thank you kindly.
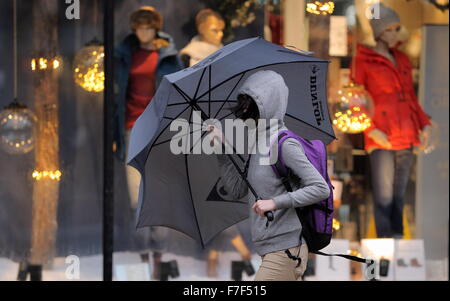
(184, 192)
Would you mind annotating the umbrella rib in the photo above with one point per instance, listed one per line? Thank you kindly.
(168, 140)
(159, 135)
(198, 108)
(192, 200)
(209, 91)
(172, 118)
(177, 104)
(320, 130)
(194, 105)
(226, 116)
(184, 95)
(216, 100)
(198, 85)
(229, 95)
(262, 66)
(226, 201)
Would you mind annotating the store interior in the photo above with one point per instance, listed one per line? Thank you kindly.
(52, 182)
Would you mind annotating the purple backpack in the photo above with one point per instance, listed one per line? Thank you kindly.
(316, 219)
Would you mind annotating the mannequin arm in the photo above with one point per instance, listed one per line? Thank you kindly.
(380, 138)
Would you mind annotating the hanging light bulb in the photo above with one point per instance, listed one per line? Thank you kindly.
(88, 67)
(320, 7)
(46, 174)
(17, 122)
(353, 110)
(17, 129)
(43, 63)
(336, 224)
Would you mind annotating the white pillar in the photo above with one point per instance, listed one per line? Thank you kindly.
(295, 24)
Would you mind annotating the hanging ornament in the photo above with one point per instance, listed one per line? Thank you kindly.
(353, 110)
(320, 7)
(88, 70)
(17, 125)
(17, 122)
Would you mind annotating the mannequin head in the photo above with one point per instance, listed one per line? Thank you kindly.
(145, 23)
(210, 26)
(390, 35)
(386, 26)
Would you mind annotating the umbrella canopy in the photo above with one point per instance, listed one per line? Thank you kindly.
(183, 191)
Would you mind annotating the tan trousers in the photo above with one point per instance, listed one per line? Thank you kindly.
(277, 266)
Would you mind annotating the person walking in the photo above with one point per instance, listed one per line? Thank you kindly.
(264, 97)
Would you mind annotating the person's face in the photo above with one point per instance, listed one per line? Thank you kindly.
(211, 30)
(390, 35)
(145, 33)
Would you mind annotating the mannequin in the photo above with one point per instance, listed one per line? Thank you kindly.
(210, 26)
(399, 124)
(143, 58)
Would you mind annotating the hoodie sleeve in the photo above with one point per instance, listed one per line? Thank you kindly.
(233, 182)
(315, 188)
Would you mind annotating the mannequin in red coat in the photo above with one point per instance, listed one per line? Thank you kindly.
(398, 125)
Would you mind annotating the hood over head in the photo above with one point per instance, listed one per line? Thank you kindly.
(270, 93)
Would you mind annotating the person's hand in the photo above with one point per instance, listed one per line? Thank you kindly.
(380, 138)
(425, 136)
(215, 135)
(262, 206)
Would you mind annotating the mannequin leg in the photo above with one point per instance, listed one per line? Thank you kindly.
(133, 178)
(403, 162)
(23, 271)
(145, 257)
(35, 272)
(382, 172)
(156, 275)
(133, 181)
(213, 257)
(240, 246)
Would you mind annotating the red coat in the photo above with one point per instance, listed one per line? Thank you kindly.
(397, 111)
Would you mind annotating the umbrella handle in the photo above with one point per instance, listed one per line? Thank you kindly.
(269, 215)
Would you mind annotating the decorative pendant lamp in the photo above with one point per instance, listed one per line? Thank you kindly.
(354, 109)
(17, 122)
(320, 7)
(88, 69)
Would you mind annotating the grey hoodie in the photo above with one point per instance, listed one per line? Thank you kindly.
(270, 93)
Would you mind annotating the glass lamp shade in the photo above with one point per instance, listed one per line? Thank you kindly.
(17, 129)
(88, 67)
(353, 110)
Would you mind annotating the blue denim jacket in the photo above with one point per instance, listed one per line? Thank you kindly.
(168, 62)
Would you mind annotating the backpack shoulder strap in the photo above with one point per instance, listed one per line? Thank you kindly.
(280, 169)
(349, 257)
